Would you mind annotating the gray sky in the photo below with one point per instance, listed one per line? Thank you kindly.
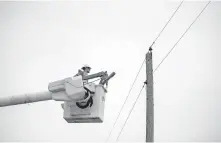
(47, 41)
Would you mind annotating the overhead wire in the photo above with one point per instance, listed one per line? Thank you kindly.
(141, 68)
(125, 99)
(130, 112)
(161, 63)
(168, 21)
(182, 36)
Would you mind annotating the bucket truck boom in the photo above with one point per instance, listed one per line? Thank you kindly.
(83, 103)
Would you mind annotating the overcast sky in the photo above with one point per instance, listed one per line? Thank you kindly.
(42, 42)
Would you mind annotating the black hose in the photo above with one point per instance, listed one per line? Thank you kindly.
(88, 103)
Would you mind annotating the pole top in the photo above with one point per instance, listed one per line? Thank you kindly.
(150, 49)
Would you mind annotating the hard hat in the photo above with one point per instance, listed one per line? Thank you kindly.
(86, 66)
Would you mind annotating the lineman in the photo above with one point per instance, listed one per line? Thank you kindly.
(87, 101)
(84, 71)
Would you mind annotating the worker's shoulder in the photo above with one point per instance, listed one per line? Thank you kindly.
(80, 71)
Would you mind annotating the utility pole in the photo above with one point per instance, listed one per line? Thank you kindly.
(149, 101)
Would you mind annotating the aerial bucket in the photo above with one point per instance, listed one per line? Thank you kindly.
(93, 113)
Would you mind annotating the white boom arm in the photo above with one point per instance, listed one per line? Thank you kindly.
(68, 89)
(83, 102)
(25, 98)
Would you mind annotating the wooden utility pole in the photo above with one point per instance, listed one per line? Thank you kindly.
(149, 101)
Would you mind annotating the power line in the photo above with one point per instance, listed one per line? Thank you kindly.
(182, 36)
(162, 62)
(125, 100)
(130, 112)
(168, 22)
(141, 68)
